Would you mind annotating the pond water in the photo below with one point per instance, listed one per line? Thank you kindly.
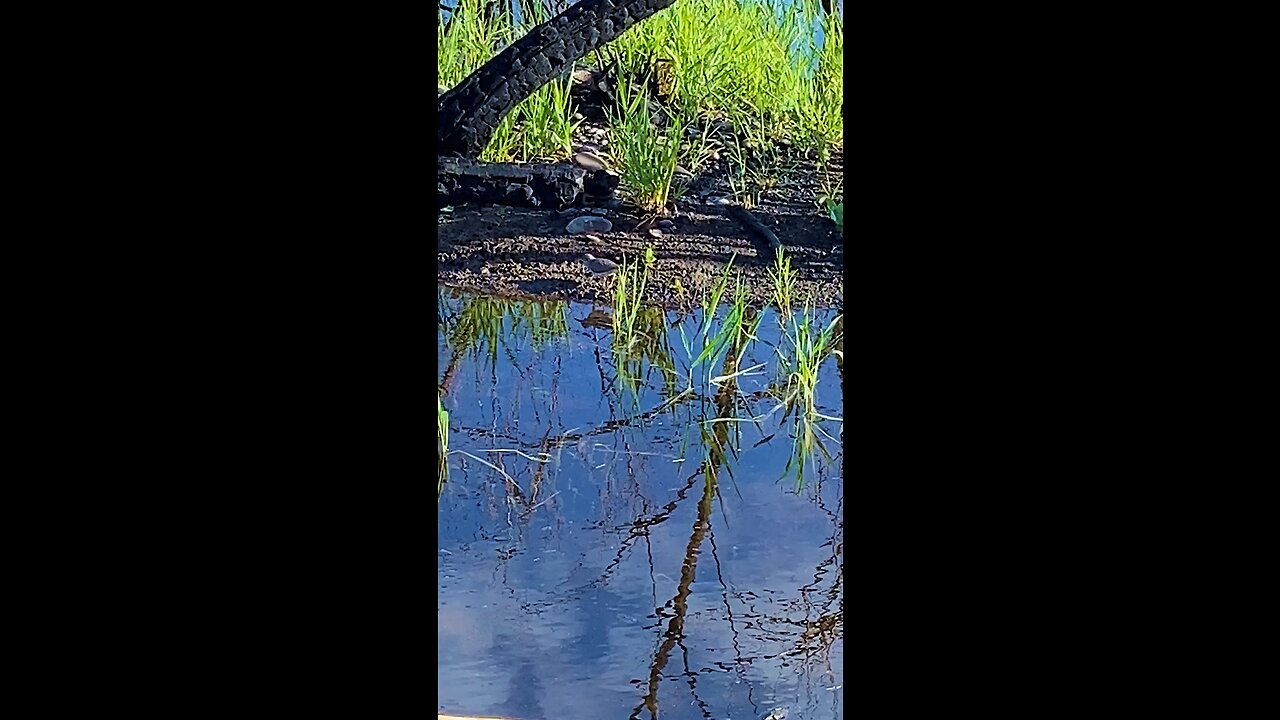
(619, 537)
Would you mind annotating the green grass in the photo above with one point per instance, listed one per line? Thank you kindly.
(639, 332)
(804, 348)
(762, 70)
(715, 337)
(749, 62)
(783, 278)
(836, 211)
(646, 154)
(541, 127)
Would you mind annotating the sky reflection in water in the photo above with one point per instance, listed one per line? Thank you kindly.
(607, 581)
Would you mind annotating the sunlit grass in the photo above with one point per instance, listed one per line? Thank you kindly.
(639, 335)
(541, 127)
(713, 340)
(774, 70)
(804, 348)
(765, 64)
(836, 211)
(646, 153)
(783, 278)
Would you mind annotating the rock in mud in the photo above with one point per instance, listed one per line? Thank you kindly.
(590, 161)
(588, 224)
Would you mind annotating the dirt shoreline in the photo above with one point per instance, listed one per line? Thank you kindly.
(528, 253)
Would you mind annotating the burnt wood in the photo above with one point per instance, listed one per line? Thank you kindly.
(555, 186)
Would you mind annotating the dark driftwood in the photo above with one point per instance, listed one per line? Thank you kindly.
(554, 186)
(750, 222)
(471, 110)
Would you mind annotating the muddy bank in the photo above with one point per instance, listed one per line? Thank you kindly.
(517, 252)
(529, 253)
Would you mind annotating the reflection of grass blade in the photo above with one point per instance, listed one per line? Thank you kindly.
(442, 438)
(486, 323)
(486, 463)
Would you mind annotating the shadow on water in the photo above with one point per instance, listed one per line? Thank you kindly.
(591, 481)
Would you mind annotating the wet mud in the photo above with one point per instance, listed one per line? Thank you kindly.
(529, 253)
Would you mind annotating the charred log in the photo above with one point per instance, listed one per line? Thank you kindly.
(470, 112)
(464, 181)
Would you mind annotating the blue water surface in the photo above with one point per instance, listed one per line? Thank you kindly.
(601, 556)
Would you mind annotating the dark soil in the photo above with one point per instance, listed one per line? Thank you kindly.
(527, 253)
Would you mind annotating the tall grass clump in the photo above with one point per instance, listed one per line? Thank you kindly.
(783, 278)
(546, 122)
(647, 154)
(468, 40)
(629, 285)
(775, 70)
(711, 342)
(802, 353)
(817, 112)
(640, 342)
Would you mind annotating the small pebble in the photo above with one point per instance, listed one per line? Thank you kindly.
(596, 211)
(484, 270)
(655, 233)
(666, 225)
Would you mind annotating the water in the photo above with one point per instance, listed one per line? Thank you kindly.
(630, 562)
(556, 6)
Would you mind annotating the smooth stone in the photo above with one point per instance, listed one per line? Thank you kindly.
(588, 224)
(590, 161)
(666, 225)
(655, 233)
(599, 266)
